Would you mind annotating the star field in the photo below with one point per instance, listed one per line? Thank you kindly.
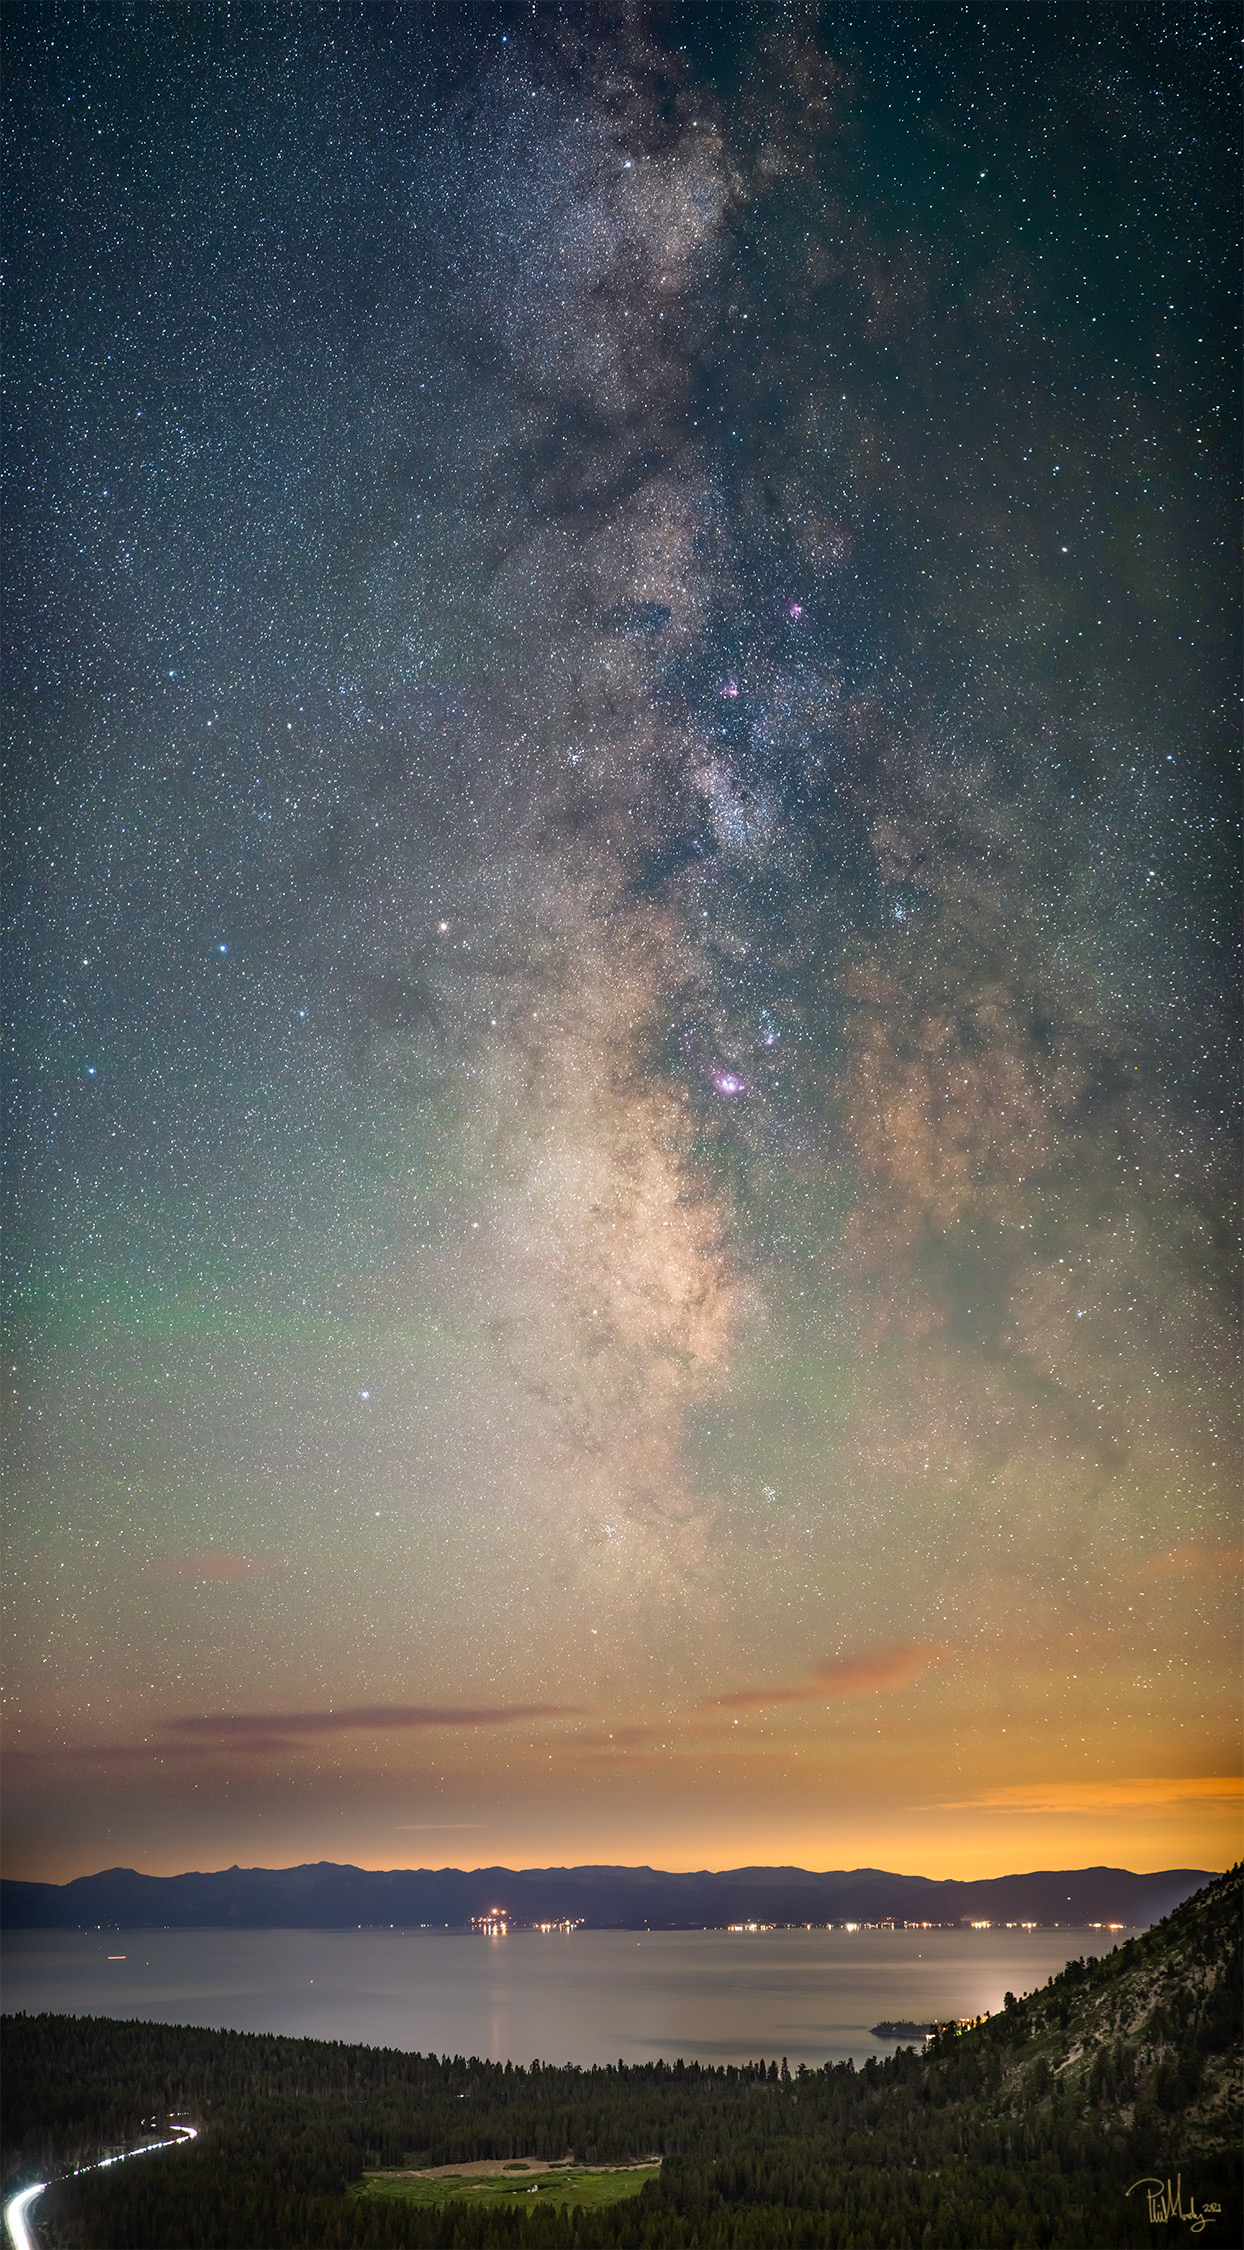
(623, 1134)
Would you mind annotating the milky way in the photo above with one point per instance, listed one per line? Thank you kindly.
(623, 1159)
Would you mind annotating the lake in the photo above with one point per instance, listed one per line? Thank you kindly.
(589, 1996)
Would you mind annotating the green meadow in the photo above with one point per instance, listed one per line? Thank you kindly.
(564, 2188)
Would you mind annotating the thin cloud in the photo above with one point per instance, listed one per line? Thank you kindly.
(110, 1753)
(877, 1672)
(274, 1732)
(1192, 1561)
(1098, 1796)
(221, 1568)
(624, 1738)
(248, 1729)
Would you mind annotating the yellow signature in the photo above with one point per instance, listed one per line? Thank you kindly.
(1167, 2202)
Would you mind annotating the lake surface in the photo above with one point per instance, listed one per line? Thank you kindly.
(586, 1997)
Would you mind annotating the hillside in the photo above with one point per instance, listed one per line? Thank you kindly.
(1143, 2037)
(1029, 2128)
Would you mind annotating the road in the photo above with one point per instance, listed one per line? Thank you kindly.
(17, 2209)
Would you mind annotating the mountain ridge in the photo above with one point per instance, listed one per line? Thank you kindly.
(328, 1894)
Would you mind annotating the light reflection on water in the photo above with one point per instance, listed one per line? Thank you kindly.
(593, 1996)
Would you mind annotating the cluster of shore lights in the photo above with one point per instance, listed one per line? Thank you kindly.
(495, 1923)
(744, 1929)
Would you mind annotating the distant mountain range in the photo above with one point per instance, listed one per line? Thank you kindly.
(326, 1896)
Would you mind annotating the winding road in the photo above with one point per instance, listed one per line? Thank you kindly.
(17, 2209)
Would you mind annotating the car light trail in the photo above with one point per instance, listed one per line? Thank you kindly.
(17, 2208)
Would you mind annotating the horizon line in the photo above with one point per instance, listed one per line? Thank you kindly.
(613, 1867)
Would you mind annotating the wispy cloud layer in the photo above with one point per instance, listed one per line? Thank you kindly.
(1193, 1560)
(243, 1727)
(877, 1671)
(212, 1564)
(1099, 1796)
(207, 1734)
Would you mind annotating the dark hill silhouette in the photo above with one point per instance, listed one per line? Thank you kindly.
(327, 1896)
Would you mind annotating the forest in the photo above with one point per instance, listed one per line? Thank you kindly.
(1029, 2128)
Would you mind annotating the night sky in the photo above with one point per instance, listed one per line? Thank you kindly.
(622, 691)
